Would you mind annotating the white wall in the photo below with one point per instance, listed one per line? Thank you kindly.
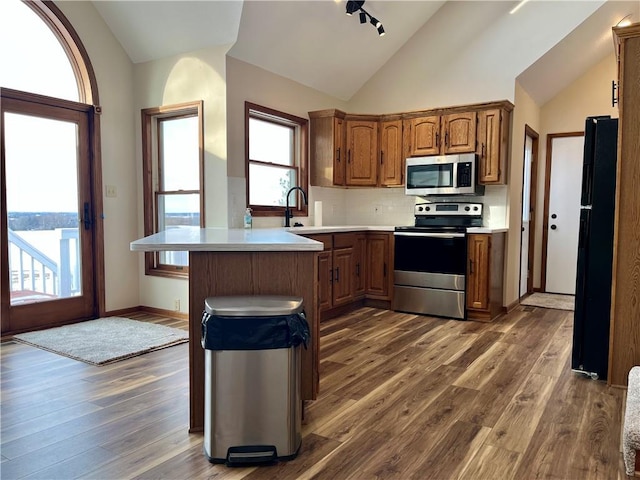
(566, 112)
(199, 75)
(114, 74)
(526, 112)
(246, 82)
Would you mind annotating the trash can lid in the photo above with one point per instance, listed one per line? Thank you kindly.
(253, 305)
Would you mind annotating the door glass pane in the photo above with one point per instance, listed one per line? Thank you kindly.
(42, 208)
(31, 56)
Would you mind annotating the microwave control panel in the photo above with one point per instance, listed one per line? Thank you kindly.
(464, 174)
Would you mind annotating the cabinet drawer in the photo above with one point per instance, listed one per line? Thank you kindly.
(344, 240)
(325, 238)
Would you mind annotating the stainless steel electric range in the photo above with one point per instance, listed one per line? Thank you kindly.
(431, 259)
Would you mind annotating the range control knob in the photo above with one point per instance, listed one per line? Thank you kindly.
(420, 209)
(428, 209)
(466, 209)
(475, 209)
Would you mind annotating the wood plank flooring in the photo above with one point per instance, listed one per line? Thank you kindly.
(401, 396)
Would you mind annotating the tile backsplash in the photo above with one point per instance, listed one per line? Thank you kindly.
(363, 206)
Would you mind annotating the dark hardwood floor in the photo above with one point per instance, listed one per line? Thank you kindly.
(402, 396)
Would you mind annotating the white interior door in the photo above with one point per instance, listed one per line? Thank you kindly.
(564, 214)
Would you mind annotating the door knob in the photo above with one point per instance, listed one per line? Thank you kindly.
(553, 227)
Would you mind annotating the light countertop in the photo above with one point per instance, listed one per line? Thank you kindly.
(225, 240)
(253, 240)
(339, 228)
(487, 229)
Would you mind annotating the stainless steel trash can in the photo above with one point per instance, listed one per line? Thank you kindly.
(252, 348)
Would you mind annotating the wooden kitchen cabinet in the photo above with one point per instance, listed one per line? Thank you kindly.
(494, 128)
(343, 268)
(440, 134)
(336, 267)
(359, 257)
(328, 156)
(391, 153)
(485, 273)
(379, 266)
(362, 153)
(624, 336)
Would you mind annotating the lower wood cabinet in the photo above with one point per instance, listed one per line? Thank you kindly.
(485, 275)
(378, 266)
(353, 267)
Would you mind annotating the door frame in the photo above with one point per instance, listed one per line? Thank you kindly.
(547, 190)
(7, 326)
(533, 189)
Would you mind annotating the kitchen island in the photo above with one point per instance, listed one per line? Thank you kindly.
(242, 262)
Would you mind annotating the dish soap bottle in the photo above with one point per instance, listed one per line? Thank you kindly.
(248, 221)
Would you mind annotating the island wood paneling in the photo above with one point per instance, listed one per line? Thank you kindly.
(250, 273)
(624, 346)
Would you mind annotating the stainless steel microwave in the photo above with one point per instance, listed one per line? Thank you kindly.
(442, 175)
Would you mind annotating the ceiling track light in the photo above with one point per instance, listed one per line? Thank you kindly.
(354, 6)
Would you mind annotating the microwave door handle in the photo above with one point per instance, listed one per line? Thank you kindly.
(455, 175)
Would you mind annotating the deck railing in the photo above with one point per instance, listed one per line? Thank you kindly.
(38, 273)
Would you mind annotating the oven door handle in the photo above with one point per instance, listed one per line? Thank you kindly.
(431, 234)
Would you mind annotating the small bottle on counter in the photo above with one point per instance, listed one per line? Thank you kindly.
(248, 220)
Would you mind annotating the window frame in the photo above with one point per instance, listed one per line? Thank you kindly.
(300, 151)
(151, 163)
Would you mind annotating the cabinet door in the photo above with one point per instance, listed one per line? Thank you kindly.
(391, 153)
(325, 276)
(359, 255)
(478, 274)
(362, 148)
(377, 265)
(424, 136)
(342, 276)
(459, 131)
(339, 153)
(490, 153)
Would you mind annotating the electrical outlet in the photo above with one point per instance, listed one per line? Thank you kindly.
(176, 304)
(111, 191)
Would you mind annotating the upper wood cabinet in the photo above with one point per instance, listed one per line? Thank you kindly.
(440, 134)
(328, 155)
(362, 153)
(391, 156)
(369, 150)
(494, 128)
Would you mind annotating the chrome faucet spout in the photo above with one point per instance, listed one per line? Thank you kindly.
(287, 210)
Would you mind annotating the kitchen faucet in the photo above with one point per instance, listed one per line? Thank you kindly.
(287, 210)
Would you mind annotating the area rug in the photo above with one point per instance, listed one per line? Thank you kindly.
(550, 300)
(105, 340)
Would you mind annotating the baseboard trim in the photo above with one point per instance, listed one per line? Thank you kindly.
(142, 308)
(512, 306)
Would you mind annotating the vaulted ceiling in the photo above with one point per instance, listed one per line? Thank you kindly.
(316, 44)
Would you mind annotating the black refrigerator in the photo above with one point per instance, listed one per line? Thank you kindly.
(590, 353)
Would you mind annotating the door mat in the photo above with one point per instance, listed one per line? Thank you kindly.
(105, 340)
(550, 300)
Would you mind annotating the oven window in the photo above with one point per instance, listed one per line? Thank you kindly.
(430, 176)
(431, 254)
